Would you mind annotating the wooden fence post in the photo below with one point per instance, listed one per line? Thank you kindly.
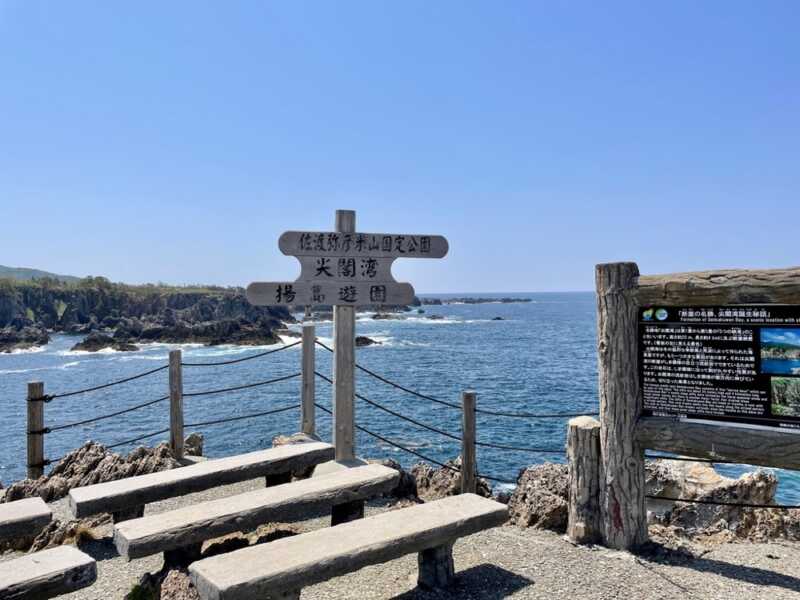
(35, 423)
(622, 489)
(344, 358)
(469, 477)
(583, 452)
(176, 404)
(308, 417)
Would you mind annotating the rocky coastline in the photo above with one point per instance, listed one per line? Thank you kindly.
(119, 316)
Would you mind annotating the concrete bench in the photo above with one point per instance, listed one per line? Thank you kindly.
(46, 574)
(23, 518)
(282, 568)
(185, 529)
(125, 498)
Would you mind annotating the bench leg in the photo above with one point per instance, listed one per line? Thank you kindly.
(436, 569)
(349, 511)
(129, 513)
(278, 479)
(183, 557)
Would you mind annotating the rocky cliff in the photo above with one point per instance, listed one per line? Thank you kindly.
(29, 310)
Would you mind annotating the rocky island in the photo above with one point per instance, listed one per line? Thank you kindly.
(118, 316)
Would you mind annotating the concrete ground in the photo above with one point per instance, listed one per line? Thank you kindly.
(508, 562)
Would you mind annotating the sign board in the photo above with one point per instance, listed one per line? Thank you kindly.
(729, 363)
(346, 269)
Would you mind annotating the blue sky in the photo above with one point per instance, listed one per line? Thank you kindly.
(175, 141)
(781, 336)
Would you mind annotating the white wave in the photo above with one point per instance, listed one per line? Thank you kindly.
(32, 369)
(34, 350)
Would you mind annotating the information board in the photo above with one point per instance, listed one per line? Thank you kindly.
(730, 363)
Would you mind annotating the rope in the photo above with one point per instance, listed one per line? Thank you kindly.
(238, 360)
(136, 439)
(520, 448)
(456, 406)
(239, 418)
(390, 442)
(241, 387)
(721, 503)
(106, 385)
(45, 398)
(534, 415)
(414, 452)
(396, 414)
(108, 416)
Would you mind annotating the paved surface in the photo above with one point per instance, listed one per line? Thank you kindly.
(508, 562)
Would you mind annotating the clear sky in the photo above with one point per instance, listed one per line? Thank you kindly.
(175, 141)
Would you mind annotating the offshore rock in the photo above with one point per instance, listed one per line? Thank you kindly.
(363, 340)
(433, 484)
(541, 498)
(95, 342)
(22, 338)
(92, 463)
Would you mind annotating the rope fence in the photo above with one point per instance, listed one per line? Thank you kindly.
(37, 430)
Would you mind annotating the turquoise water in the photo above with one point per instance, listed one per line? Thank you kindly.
(539, 358)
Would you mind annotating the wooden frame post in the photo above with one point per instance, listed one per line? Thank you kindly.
(35, 404)
(583, 452)
(622, 488)
(176, 404)
(344, 340)
(308, 415)
(469, 468)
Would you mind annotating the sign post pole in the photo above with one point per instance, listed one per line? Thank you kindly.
(344, 341)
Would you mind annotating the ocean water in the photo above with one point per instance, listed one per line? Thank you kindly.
(539, 358)
(780, 367)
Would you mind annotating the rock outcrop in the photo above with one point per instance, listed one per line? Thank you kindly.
(91, 463)
(362, 340)
(407, 485)
(24, 336)
(193, 444)
(433, 483)
(541, 498)
(715, 522)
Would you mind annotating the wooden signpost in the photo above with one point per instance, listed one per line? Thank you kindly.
(345, 269)
(687, 364)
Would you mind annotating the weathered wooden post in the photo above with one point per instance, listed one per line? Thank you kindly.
(622, 489)
(176, 404)
(583, 451)
(344, 358)
(469, 476)
(307, 417)
(35, 424)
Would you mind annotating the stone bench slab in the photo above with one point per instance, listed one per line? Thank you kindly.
(117, 496)
(46, 574)
(194, 524)
(23, 518)
(289, 564)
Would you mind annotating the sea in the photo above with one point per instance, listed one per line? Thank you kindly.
(530, 357)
